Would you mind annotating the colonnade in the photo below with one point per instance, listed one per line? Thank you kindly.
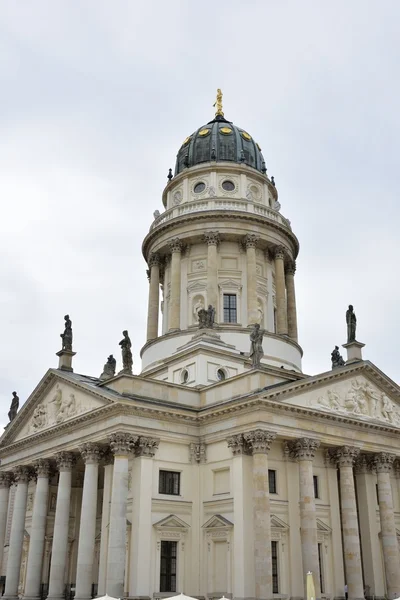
(286, 315)
(113, 541)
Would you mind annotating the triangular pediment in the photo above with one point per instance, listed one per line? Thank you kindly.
(59, 398)
(276, 522)
(230, 284)
(323, 527)
(171, 522)
(196, 286)
(217, 521)
(359, 392)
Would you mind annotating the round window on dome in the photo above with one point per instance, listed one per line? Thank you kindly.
(221, 375)
(184, 376)
(225, 130)
(228, 185)
(199, 187)
(204, 132)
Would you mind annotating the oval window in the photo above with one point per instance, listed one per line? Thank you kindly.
(199, 187)
(185, 376)
(228, 186)
(221, 375)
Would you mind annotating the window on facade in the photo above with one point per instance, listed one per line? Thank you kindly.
(321, 569)
(169, 483)
(377, 494)
(272, 481)
(168, 566)
(221, 375)
(316, 486)
(230, 308)
(275, 576)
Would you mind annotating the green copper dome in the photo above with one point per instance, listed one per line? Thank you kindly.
(219, 140)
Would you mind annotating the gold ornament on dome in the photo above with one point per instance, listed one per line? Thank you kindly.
(218, 104)
(225, 130)
(204, 132)
(187, 140)
(246, 135)
(258, 146)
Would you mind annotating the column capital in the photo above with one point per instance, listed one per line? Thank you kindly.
(91, 453)
(345, 456)
(22, 474)
(290, 267)
(212, 238)
(42, 467)
(147, 446)
(383, 462)
(6, 479)
(154, 260)
(259, 440)
(122, 443)
(238, 444)
(175, 245)
(197, 452)
(65, 461)
(303, 448)
(108, 457)
(362, 464)
(250, 240)
(279, 252)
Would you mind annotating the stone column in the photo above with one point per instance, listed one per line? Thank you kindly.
(121, 445)
(212, 240)
(91, 454)
(105, 521)
(154, 297)
(259, 442)
(65, 462)
(21, 476)
(304, 450)
(345, 457)
(250, 241)
(38, 530)
(141, 534)
(175, 297)
(384, 465)
(281, 311)
(291, 301)
(6, 479)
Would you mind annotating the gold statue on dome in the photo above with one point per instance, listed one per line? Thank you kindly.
(218, 104)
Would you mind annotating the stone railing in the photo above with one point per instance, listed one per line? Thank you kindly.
(229, 204)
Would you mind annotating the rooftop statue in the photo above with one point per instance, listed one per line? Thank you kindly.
(12, 413)
(67, 335)
(126, 345)
(256, 349)
(351, 321)
(218, 104)
(109, 368)
(337, 358)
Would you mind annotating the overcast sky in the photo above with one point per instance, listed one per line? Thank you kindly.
(96, 98)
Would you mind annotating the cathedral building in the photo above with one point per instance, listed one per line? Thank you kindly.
(221, 469)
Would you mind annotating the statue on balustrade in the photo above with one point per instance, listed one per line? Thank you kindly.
(127, 360)
(256, 349)
(67, 335)
(12, 413)
(337, 358)
(109, 368)
(351, 321)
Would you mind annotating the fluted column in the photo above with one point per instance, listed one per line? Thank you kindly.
(154, 297)
(304, 450)
(105, 520)
(384, 466)
(212, 240)
(345, 457)
(259, 441)
(121, 445)
(175, 297)
(59, 553)
(21, 476)
(281, 311)
(250, 242)
(291, 301)
(6, 478)
(91, 454)
(38, 530)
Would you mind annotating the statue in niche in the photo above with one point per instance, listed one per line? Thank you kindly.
(12, 413)
(67, 335)
(256, 349)
(337, 358)
(351, 321)
(109, 368)
(127, 360)
(206, 317)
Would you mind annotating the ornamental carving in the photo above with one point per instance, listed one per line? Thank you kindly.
(91, 453)
(280, 252)
(197, 453)
(303, 448)
(250, 240)
(65, 461)
(211, 238)
(147, 446)
(122, 443)
(154, 260)
(175, 245)
(22, 474)
(345, 456)
(363, 464)
(291, 267)
(108, 457)
(42, 467)
(238, 444)
(6, 479)
(259, 441)
(383, 462)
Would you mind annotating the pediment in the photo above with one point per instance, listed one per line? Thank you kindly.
(197, 286)
(357, 393)
(230, 284)
(57, 399)
(323, 527)
(276, 522)
(171, 522)
(217, 521)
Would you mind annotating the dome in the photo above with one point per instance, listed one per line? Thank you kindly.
(219, 140)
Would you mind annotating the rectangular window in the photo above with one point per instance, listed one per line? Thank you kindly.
(316, 490)
(272, 481)
(169, 483)
(230, 308)
(321, 569)
(275, 578)
(377, 494)
(168, 566)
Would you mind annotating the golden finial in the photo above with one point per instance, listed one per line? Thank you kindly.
(218, 104)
